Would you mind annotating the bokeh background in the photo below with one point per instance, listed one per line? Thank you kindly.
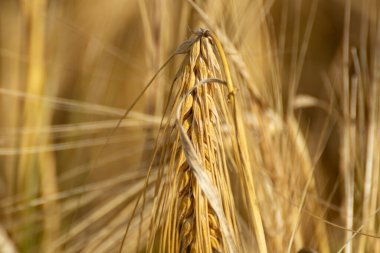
(69, 69)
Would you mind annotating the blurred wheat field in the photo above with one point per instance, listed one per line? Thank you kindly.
(190, 126)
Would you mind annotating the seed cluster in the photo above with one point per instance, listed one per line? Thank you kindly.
(192, 111)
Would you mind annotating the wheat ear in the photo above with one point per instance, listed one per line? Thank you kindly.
(188, 219)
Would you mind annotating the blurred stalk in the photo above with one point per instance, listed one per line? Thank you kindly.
(10, 65)
(10, 68)
(307, 166)
(347, 163)
(371, 181)
(37, 172)
(151, 20)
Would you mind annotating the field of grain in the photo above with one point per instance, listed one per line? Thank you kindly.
(189, 126)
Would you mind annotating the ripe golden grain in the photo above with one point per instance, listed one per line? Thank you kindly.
(190, 222)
